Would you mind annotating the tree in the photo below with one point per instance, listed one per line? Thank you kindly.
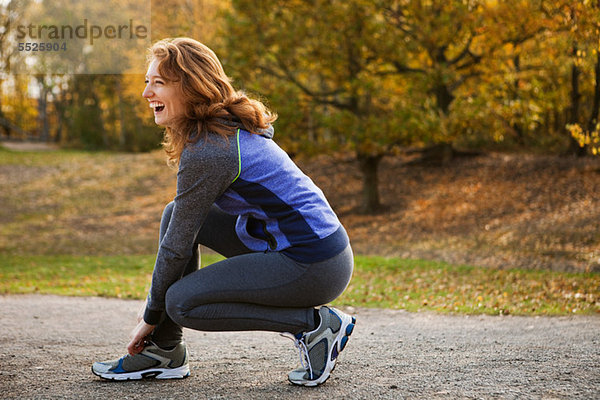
(8, 54)
(584, 19)
(325, 56)
(436, 39)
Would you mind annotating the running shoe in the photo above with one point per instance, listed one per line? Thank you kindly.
(319, 349)
(152, 362)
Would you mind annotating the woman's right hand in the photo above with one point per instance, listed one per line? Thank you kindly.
(138, 337)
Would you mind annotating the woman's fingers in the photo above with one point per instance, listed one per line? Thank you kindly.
(138, 337)
(134, 347)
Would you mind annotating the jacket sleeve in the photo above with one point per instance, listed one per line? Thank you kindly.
(206, 170)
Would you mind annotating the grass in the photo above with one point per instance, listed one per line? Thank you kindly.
(437, 286)
(58, 205)
(414, 285)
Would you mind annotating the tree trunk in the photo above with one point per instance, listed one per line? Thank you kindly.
(517, 127)
(61, 103)
(44, 129)
(575, 94)
(5, 128)
(122, 131)
(593, 121)
(443, 96)
(574, 147)
(443, 93)
(369, 166)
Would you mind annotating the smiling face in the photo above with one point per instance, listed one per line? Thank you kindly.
(164, 96)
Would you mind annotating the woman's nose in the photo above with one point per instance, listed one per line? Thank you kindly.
(147, 93)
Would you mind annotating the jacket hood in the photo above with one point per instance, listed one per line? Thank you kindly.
(268, 133)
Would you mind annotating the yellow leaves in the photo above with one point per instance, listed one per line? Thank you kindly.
(585, 138)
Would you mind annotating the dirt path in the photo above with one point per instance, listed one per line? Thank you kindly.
(47, 344)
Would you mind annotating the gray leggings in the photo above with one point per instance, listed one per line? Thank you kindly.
(248, 290)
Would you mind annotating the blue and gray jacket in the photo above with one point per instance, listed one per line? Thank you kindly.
(279, 208)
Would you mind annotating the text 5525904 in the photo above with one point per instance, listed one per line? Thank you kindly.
(35, 46)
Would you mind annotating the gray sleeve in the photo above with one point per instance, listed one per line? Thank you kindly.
(206, 170)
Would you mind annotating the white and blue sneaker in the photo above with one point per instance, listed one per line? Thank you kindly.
(152, 362)
(319, 349)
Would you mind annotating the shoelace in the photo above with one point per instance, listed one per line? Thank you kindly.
(302, 350)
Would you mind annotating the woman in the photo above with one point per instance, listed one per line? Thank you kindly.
(239, 194)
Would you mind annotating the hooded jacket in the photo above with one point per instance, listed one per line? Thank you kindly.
(279, 208)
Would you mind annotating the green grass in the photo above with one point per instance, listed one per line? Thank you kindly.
(109, 276)
(437, 286)
(45, 158)
(413, 285)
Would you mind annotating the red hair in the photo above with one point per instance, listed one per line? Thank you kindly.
(207, 93)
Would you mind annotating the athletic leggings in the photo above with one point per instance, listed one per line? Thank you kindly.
(248, 290)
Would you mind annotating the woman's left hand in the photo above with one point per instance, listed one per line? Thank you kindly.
(138, 337)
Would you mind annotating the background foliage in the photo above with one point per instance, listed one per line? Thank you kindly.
(368, 77)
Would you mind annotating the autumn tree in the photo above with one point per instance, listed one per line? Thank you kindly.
(9, 55)
(583, 19)
(438, 39)
(325, 57)
(376, 75)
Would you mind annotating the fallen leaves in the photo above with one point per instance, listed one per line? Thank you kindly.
(498, 210)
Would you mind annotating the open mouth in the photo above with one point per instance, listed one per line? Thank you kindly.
(157, 106)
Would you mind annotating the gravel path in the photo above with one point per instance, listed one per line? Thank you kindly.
(47, 345)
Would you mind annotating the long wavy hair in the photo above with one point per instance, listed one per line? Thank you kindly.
(210, 99)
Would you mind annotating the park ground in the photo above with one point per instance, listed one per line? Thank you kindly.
(492, 210)
(48, 344)
(496, 210)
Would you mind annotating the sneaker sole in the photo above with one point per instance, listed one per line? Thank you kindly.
(156, 373)
(340, 342)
